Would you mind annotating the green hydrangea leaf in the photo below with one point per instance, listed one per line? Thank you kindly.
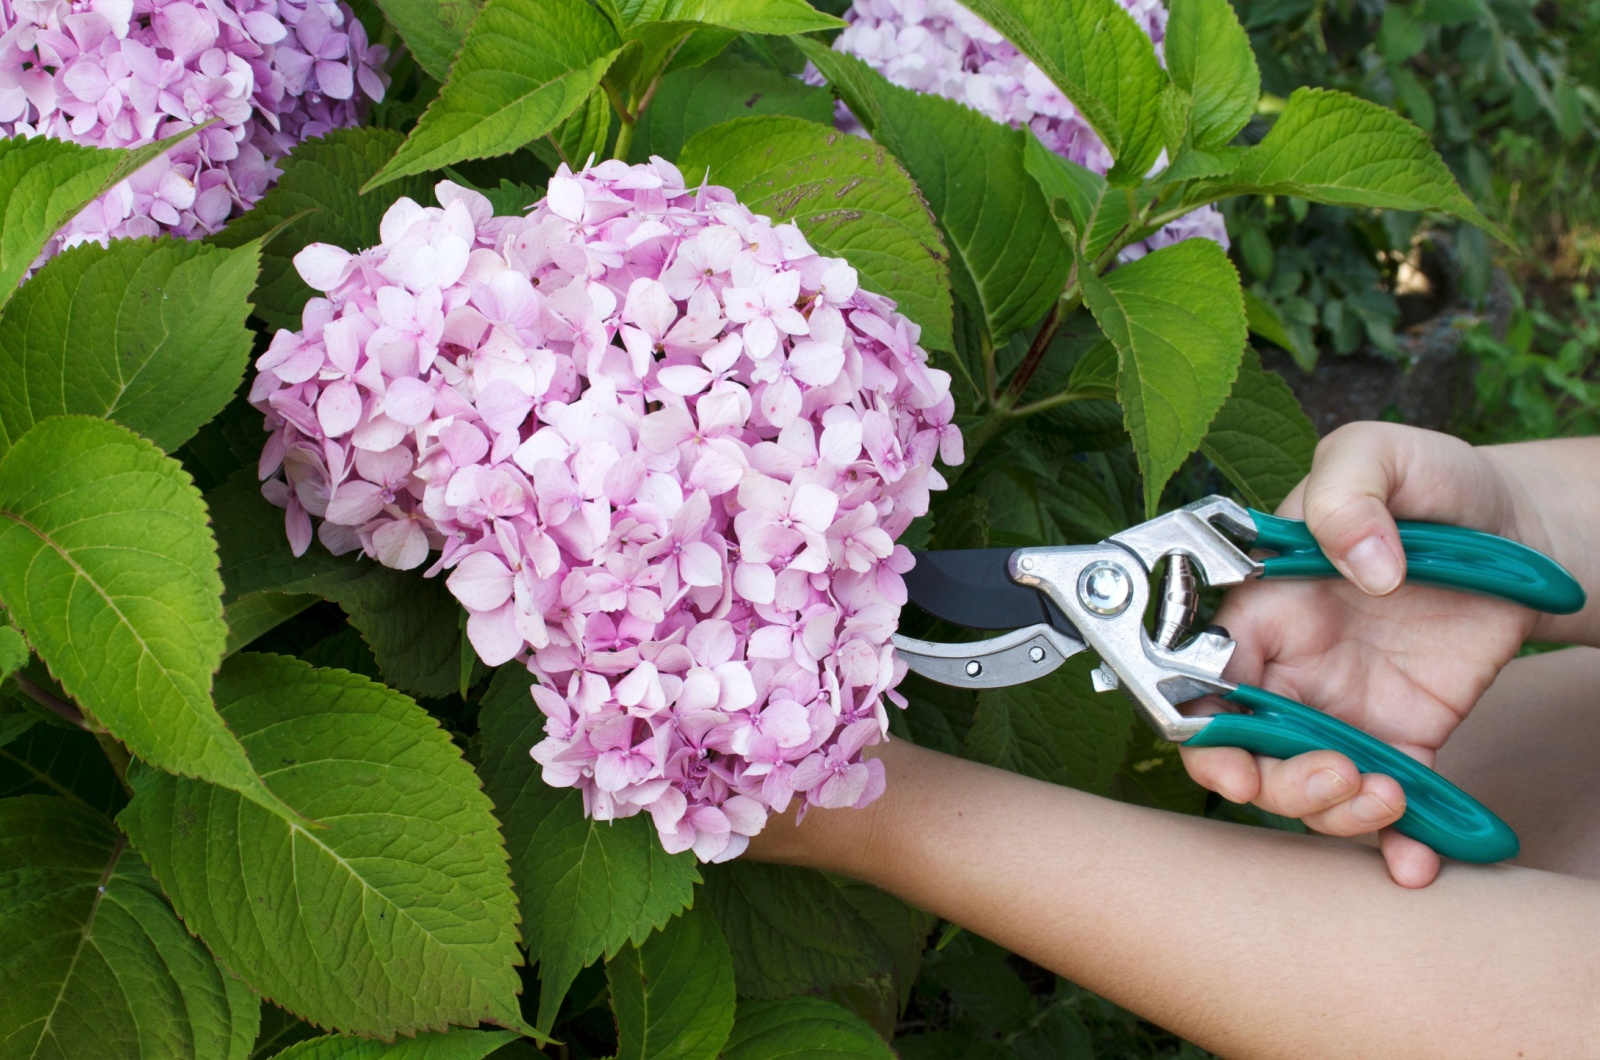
(1209, 57)
(411, 623)
(1266, 322)
(745, 16)
(587, 888)
(795, 930)
(44, 183)
(279, 1030)
(56, 760)
(1334, 148)
(318, 200)
(108, 568)
(256, 613)
(148, 333)
(511, 197)
(93, 962)
(1008, 259)
(689, 101)
(1100, 58)
(1177, 319)
(1055, 729)
(254, 546)
(432, 29)
(524, 66)
(673, 996)
(1262, 439)
(456, 1045)
(1092, 212)
(1153, 774)
(802, 1027)
(848, 195)
(13, 651)
(395, 915)
(582, 136)
(230, 442)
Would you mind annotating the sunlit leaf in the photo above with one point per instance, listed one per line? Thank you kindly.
(395, 914)
(109, 569)
(148, 333)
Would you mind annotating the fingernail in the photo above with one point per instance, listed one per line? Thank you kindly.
(1325, 786)
(1373, 567)
(1369, 809)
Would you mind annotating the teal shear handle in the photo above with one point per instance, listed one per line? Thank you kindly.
(1437, 812)
(1450, 557)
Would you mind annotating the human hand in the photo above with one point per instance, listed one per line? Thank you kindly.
(1405, 663)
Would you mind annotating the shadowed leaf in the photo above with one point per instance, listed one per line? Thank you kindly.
(93, 963)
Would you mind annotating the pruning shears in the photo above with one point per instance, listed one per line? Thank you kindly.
(1057, 601)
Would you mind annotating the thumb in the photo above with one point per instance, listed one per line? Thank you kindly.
(1346, 498)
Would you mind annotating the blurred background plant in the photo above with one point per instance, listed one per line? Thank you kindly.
(1509, 90)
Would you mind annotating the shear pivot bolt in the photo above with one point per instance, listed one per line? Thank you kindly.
(1105, 588)
(974, 668)
(1036, 653)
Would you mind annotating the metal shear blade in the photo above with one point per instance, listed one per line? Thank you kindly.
(1012, 659)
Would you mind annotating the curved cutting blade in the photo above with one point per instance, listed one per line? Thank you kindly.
(970, 587)
(1010, 659)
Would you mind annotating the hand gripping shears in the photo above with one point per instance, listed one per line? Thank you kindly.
(1057, 601)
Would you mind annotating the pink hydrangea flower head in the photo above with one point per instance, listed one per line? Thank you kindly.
(659, 448)
(126, 73)
(939, 46)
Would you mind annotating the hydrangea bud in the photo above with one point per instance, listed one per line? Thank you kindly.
(659, 447)
(939, 46)
(126, 73)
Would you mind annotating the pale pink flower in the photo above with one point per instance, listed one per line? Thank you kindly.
(939, 46)
(659, 449)
(766, 308)
(116, 73)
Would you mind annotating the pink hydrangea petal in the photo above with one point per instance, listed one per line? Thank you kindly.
(339, 408)
(335, 79)
(482, 582)
(401, 544)
(409, 401)
(322, 265)
(939, 46)
(354, 504)
(494, 635)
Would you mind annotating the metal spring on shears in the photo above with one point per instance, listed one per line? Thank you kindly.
(1180, 599)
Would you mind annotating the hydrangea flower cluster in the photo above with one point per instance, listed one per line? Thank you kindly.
(126, 73)
(664, 449)
(940, 47)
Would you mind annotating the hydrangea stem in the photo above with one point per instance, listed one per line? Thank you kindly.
(117, 755)
(624, 140)
(50, 702)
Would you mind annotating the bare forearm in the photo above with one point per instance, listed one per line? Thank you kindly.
(1246, 941)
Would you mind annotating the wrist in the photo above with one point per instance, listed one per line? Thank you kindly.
(1551, 505)
(1508, 471)
(851, 842)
